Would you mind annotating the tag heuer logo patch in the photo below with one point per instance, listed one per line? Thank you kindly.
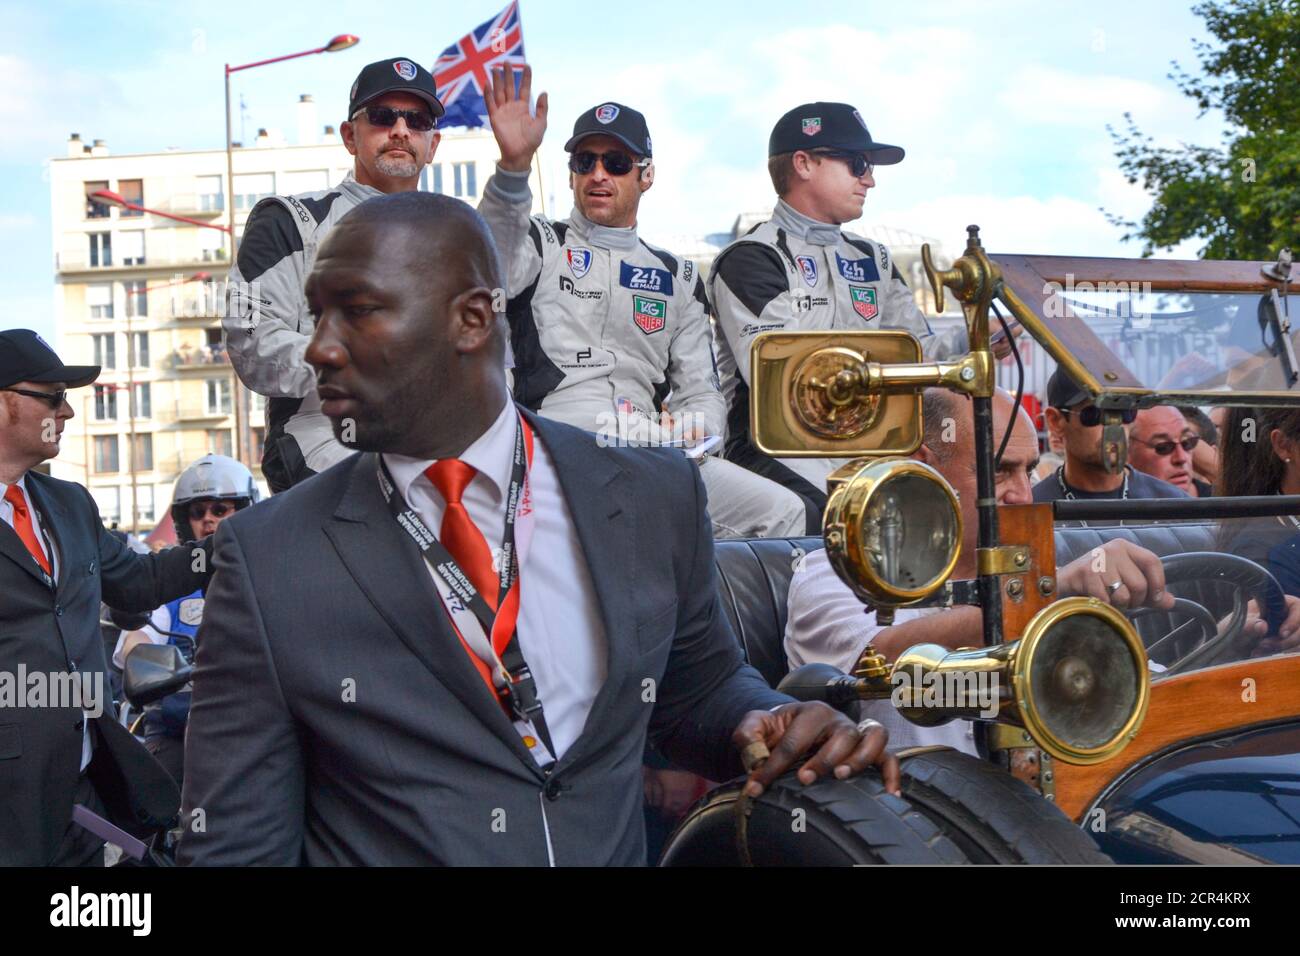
(812, 125)
(648, 313)
(607, 113)
(864, 302)
(579, 261)
(808, 269)
(405, 69)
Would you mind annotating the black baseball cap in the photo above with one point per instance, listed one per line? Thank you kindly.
(1064, 392)
(829, 126)
(613, 119)
(26, 357)
(399, 75)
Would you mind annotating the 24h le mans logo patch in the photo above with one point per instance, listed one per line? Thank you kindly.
(649, 314)
(864, 302)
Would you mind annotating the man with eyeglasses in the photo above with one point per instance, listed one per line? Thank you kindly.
(609, 333)
(1161, 444)
(1073, 418)
(57, 562)
(799, 271)
(391, 132)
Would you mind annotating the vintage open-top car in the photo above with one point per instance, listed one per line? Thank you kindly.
(1144, 736)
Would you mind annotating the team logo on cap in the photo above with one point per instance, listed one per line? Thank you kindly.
(579, 261)
(864, 302)
(649, 314)
(405, 69)
(858, 116)
(812, 125)
(607, 113)
(808, 269)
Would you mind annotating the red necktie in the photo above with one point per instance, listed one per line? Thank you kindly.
(466, 544)
(23, 525)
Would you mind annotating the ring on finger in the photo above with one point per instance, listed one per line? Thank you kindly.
(868, 724)
(1112, 588)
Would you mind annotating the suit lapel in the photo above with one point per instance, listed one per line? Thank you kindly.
(11, 546)
(53, 517)
(599, 499)
(394, 576)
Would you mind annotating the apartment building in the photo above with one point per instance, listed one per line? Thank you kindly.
(141, 294)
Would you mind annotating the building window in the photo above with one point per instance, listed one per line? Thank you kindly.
(105, 350)
(143, 453)
(210, 198)
(252, 187)
(109, 502)
(465, 179)
(101, 249)
(143, 400)
(106, 404)
(220, 442)
(219, 396)
(106, 456)
(259, 442)
(137, 298)
(94, 208)
(144, 513)
(132, 190)
(130, 246)
(437, 178)
(212, 245)
(137, 349)
(99, 300)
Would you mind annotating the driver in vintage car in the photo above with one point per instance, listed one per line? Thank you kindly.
(827, 623)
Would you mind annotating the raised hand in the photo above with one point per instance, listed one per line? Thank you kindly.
(517, 128)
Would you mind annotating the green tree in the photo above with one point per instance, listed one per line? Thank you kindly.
(1242, 197)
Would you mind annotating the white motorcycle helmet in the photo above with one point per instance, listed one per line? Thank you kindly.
(212, 476)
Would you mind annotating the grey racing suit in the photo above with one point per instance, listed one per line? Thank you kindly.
(793, 273)
(267, 324)
(607, 332)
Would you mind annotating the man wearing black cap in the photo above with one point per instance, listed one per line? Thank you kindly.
(391, 131)
(798, 271)
(605, 327)
(1076, 422)
(57, 562)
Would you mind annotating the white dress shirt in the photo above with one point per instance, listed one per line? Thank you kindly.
(560, 630)
(828, 624)
(46, 546)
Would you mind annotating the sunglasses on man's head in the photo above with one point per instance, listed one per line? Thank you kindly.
(53, 399)
(417, 121)
(858, 163)
(198, 510)
(1166, 447)
(1090, 415)
(616, 163)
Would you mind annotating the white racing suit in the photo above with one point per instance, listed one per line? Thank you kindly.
(267, 324)
(608, 332)
(796, 274)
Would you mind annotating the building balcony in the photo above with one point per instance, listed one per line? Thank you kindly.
(206, 357)
(194, 205)
(68, 263)
(202, 413)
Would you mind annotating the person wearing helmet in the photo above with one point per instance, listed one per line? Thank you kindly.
(206, 493)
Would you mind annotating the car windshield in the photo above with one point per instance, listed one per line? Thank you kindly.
(1166, 326)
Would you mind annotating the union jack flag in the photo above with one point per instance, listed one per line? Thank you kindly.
(462, 71)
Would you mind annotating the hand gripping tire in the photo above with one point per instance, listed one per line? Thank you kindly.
(955, 809)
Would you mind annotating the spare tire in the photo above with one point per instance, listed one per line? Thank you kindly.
(989, 814)
(831, 823)
(955, 809)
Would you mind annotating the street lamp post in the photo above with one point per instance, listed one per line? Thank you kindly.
(341, 42)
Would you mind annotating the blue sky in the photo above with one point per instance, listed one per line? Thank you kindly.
(1002, 105)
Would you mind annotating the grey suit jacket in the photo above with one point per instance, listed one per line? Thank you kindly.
(52, 630)
(337, 719)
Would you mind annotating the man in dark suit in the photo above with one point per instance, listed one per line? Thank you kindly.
(348, 705)
(56, 563)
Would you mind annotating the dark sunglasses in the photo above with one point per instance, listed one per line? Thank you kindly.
(53, 399)
(1166, 447)
(857, 162)
(418, 121)
(616, 163)
(1090, 415)
(199, 510)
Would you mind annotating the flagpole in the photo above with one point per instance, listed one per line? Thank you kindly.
(541, 190)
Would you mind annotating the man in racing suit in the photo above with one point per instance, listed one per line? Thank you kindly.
(392, 133)
(604, 327)
(798, 271)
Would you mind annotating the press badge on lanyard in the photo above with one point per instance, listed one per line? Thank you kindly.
(482, 631)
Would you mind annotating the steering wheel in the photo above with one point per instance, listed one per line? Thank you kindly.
(1215, 645)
